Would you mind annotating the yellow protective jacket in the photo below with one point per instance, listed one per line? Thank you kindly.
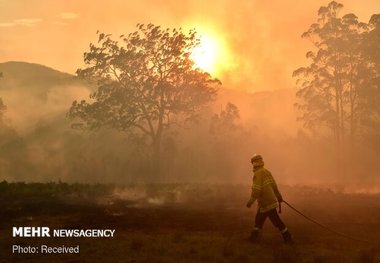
(264, 190)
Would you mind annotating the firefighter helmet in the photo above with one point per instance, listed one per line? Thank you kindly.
(256, 157)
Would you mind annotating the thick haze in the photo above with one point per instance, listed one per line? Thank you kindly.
(261, 38)
(260, 47)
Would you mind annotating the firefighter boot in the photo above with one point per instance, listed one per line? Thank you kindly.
(255, 235)
(287, 236)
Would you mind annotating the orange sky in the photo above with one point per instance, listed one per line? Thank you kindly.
(262, 37)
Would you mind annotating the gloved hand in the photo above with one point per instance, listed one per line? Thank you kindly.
(249, 203)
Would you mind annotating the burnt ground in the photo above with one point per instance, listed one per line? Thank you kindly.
(182, 223)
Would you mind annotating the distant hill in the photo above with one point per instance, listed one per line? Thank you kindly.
(34, 79)
(35, 93)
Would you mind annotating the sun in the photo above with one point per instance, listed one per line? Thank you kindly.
(205, 55)
(213, 54)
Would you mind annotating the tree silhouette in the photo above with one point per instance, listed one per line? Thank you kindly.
(144, 82)
(3, 108)
(330, 87)
(371, 90)
(224, 124)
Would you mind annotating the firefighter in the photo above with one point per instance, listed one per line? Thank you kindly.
(265, 191)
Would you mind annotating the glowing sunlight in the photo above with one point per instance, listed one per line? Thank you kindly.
(211, 55)
(205, 54)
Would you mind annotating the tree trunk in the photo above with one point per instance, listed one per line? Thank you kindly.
(352, 127)
(338, 137)
(343, 135)
(156, 157)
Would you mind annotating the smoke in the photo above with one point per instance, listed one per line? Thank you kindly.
(25, 110)
(44, 147)
(208, 152)
(263, 47)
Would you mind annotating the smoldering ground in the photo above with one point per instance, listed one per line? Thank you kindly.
(189, 222)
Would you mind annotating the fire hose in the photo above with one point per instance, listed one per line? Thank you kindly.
(323, 226)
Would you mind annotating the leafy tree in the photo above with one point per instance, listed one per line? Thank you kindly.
(330, 85)
(145, 82)
(224, 124)
(371, 90)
